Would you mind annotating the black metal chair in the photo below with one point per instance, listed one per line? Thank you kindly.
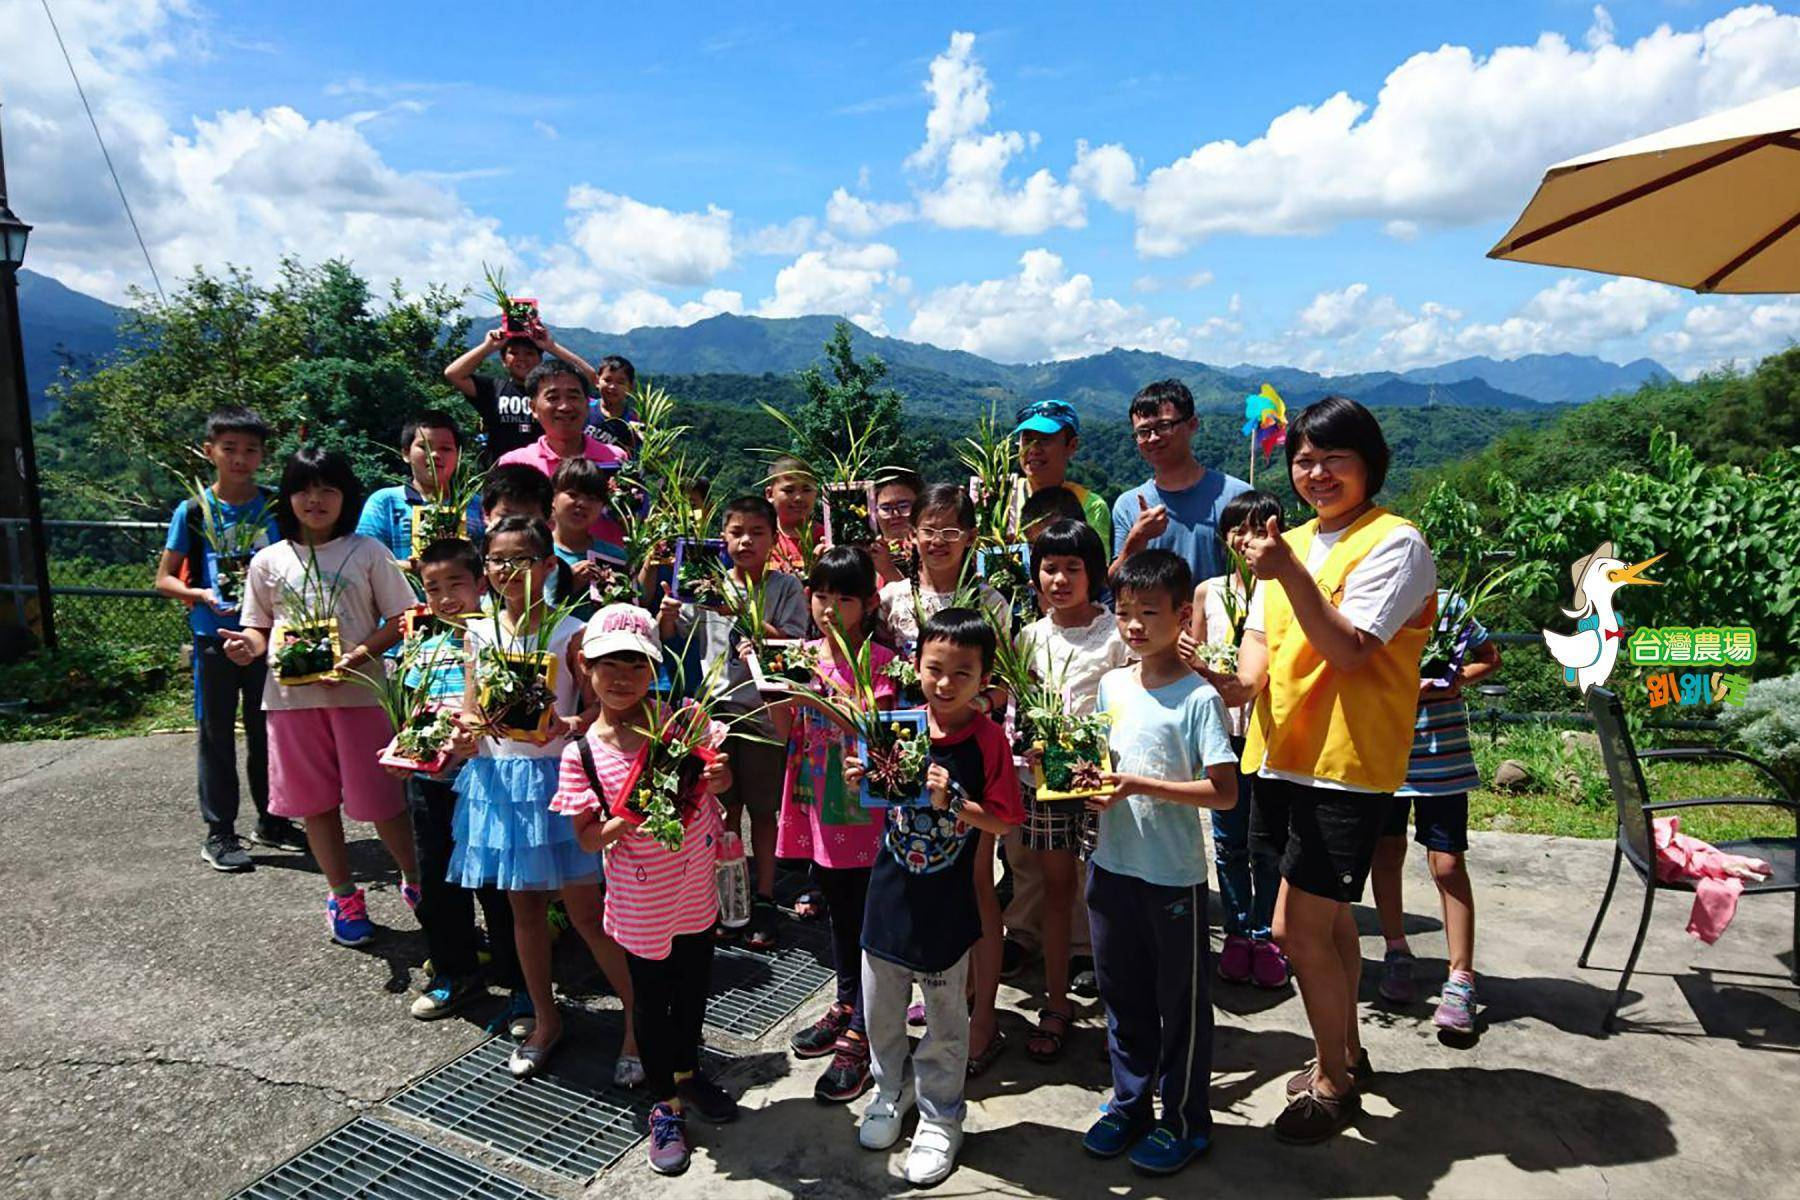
(1635, 845)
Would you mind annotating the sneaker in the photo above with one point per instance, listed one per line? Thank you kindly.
(1112, 1134)
(349, 918)
(915, 1015)
(1234, 959)
(518, 1019)
(1082, 980)
(702, 1096)
(1456, 1008)
(881, 1121)
(820, 1038)
(444, 996)
(1360, 1074)
(410, 893)
(280, 833)
(669, 1152)
(762, 934)
(1162, 1153)
(1397, 983)
(1268, 965)
(1310, 1117)
(848, 1075)
(628, 1071)
(223, 852)
(932, 1155)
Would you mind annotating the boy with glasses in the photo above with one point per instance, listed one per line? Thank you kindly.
(1178, 507)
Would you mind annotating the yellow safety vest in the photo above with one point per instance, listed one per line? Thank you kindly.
(1355, 729)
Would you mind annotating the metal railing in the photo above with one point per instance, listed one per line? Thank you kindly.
(100, 575)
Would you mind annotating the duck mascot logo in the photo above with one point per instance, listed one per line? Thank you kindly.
(1588, 654)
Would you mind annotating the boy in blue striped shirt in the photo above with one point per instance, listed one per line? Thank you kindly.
(451, 571)
(432, 444)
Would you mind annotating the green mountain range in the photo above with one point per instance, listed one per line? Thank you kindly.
(63, 327)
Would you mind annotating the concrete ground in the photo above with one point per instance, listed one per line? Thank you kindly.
(175, 1032)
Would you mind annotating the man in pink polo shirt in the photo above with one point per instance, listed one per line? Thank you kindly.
(559, 402)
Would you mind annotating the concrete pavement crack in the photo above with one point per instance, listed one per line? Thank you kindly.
(157, 1060)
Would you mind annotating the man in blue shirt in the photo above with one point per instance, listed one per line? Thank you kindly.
(1177, 508)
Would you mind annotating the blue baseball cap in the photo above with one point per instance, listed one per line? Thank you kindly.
(1048, 416)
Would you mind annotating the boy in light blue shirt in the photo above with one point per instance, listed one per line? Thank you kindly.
(1146, 890)
(432, 444)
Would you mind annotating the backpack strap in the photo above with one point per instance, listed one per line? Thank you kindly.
(587, 765)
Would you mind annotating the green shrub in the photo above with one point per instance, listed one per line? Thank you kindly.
(84, 688)
(1768, 723)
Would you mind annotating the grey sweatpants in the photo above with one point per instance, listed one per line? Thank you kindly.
(940, 1064)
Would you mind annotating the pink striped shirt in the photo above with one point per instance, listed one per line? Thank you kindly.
(652, 894)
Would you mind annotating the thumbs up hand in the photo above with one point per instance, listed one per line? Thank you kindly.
(1268, 553)
(1149, 525)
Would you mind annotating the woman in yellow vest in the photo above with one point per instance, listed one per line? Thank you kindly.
(1331, 656)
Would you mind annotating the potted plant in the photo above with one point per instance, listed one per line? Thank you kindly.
(895, 748)
(700, 572)
(904, 554)
(306, 640)
(515, 690)
(667, 767)
(445, 513)
(423, 728)
(233, 545)
(1007, 569)
(518, 314)
(1071, 752)
(848, 511)
(779, 663)
(990, 457)
(1448, 644)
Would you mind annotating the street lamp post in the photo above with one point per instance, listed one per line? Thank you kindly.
(19, 488)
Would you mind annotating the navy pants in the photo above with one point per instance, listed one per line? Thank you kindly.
(220, 687)
(447, 910)
(1153, 960)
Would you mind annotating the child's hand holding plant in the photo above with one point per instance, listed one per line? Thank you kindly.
(717, 775)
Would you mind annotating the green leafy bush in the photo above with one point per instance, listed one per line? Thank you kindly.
(1768, 723)
(80, 689)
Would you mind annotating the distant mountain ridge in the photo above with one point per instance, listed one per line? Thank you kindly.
(61, 324)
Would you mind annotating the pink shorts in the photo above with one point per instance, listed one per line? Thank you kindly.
(322, 757)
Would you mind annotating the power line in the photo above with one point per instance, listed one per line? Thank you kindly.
(79, 91)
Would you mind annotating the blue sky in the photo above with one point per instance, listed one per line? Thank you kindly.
(1022, 182)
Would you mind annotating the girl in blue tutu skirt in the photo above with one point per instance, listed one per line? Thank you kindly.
(506, 835)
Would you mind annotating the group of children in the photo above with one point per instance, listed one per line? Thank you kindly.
(1293, 755)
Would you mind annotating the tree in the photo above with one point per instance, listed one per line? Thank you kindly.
(852, 401)
(313, 353)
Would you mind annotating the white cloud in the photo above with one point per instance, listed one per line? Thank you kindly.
(626, 238)
(840, 280)
(1043, 312)
(547, 129)
(1107, 171)
(1568, 317)
(1732, 329)
(788, 238)
(863, 218)
(974, 192)
(1346, 311)
(1453, 137)
(1162, 283)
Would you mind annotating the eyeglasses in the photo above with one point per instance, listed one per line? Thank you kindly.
(520, 562)
(942, 535)
(1157, 429)
(1047, 408)
(897, 508)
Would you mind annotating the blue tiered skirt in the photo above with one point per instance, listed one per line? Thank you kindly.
(506, 835)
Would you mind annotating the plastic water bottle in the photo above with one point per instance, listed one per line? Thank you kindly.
(733, 875)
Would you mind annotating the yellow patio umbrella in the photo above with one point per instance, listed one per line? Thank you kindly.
(1712, 205)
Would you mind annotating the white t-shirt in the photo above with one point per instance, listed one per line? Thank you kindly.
(905, 609)
(1388, 588)
(369, 589)
(1075, 656)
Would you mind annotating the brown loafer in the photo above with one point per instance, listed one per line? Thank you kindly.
(1312, 1117)
(1360, 1074)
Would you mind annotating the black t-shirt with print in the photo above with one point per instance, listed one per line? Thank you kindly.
(505, 411)
(922, 912)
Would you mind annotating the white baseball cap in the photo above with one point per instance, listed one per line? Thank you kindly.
(621, 629)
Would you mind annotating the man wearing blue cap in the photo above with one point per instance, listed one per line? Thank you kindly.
(1048, 431)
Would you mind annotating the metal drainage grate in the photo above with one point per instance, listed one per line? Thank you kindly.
(368, 1159)
(753, 991)
(539, 1122)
